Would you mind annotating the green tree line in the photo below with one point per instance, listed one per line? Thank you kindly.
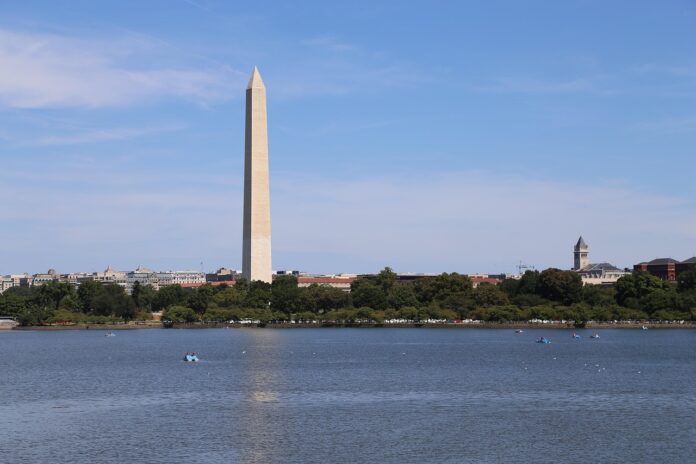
(552, 294)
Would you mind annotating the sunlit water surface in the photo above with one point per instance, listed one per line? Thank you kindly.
(347, 396)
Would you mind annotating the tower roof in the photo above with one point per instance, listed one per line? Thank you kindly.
(255, 82)
(581, 244)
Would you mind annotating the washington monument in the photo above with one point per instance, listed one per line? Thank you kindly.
(256, 259)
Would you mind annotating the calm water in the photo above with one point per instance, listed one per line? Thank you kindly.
(347, 396)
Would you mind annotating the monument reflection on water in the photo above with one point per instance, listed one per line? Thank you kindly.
(260, 377)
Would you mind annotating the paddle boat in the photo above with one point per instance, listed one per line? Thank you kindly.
(594, 335)
(644, 328)
(576, 335)
(543, 340)
(109, 334)
(519, 331)
(191, 357)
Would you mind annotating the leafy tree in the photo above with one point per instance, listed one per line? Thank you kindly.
(87, 293)
(179, 314)
(386, 279)
(201, 297)
(54, 292)
(509, 286)
(113, 300)
(143, 296)
(659, 300)
(169, 296)
(258, 296)
(366, 293)
(636, 286)
(230, 297)
(528, 283)
(561, 286)
(687, 280)
(217, 314)
(441, 287)
(597, 295)
(285, 295)
(486, 295)
(401, 295)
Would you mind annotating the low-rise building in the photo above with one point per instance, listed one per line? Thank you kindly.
(180, 278)
(478, 279)
(223, 275)
(666, 268)
(40, 279)
(5, 283)
(340, 282)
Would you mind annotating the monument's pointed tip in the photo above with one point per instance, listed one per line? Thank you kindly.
(255, 82)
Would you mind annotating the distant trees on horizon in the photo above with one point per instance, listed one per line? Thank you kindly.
(551, 294)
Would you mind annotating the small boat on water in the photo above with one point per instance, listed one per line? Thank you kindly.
(191, 357)
(109, 334)
(576, 335)
(543, 340)
(644, 328)
(519, 331)
(594, 335)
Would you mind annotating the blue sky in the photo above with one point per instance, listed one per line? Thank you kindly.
(428, 136)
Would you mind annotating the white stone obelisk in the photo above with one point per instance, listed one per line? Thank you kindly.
(256, 259)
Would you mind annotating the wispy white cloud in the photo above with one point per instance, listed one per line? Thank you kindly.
(327, 65)
(464, 221)
(469, 221)
(330, 44)
(339, 128)
(542, 86)
(49, 70)
(103, 135)
(680, 70)
(344, 77)
(670, 125)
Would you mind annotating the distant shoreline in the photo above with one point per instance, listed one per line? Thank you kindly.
(482, 325)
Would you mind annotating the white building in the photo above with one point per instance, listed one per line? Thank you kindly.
(40, 279)
(594, 273)
(180, 278)
(142, 275)
(5, 283)
(158, 280)
(109, 276)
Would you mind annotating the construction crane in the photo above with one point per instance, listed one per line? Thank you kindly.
(524, 267)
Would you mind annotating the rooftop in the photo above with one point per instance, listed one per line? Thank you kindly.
(599, 267)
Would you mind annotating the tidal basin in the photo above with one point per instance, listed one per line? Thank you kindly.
(347, 396)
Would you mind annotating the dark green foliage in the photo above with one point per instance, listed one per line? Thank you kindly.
(258, 295)
(490, 295)
(143, 296)
(200, 298)
(560, 286)
(367, 293)
(169, 296)
(528, 284)
(552, 294)
(441, 287)
(285, 295)
(179, 314)
(112, 300)
(637, 286)
(687, 280)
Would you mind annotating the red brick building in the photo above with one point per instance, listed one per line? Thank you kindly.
(665, 268)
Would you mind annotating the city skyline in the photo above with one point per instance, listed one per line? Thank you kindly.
(121, 137)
